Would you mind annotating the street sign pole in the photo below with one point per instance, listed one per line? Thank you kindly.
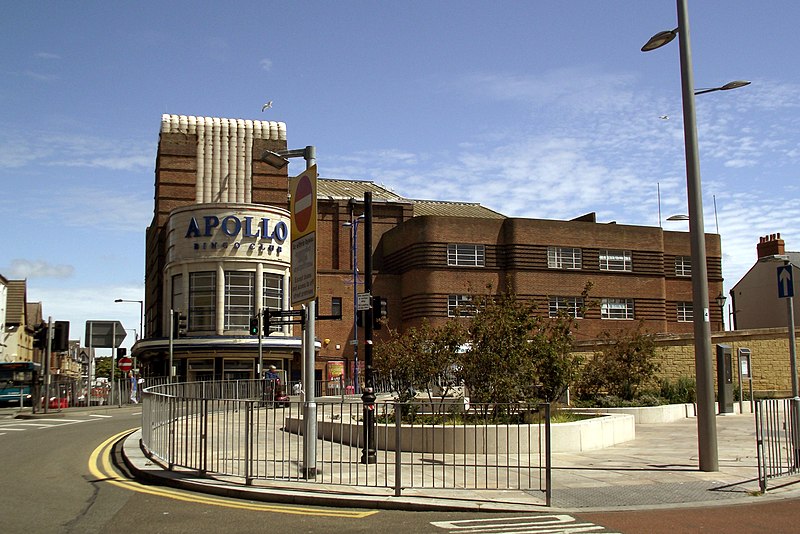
(786, 291)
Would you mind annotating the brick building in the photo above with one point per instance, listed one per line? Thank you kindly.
(217, 252)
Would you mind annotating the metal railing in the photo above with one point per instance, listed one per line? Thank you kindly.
(777, 439)
(230, 429)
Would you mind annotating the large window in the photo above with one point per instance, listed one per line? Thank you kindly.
(621, 309)
(685, 314)
(683, 266)
(460, 306)
(571, 306)
(272, 299)
(239, 308)
(616, 260)
(564, 258)
(202, 286)
(462, 255)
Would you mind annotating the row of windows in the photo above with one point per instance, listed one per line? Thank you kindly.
(240, 302)
(570, 258)
(611, 309)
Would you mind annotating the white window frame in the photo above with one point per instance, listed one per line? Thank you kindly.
(685, 312)
(466, 255)
(461, 303)
(617, 309)
(569, 258)
(572, 306)
(616, 260)
(683, 266)
(239, 301)
(202, 301)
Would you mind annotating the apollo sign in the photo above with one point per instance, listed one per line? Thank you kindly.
(226, 230)
(232, 226)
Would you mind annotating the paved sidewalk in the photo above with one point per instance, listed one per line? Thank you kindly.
(657, 469)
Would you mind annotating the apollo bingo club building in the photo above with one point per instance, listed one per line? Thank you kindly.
(218, 250)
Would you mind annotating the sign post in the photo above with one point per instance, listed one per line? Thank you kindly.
(105, 335)
(786, 291)
(303, 210)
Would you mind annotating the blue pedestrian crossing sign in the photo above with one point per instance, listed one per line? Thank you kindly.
(785, 282)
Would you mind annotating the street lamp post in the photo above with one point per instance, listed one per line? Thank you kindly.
(141, 314)
(353, 225)
(279, 160)
(706, 423)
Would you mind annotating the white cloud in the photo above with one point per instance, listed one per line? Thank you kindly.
(21, 268)
(266, 64)
(47, 55)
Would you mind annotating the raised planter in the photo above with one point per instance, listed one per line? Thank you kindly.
(586, 435)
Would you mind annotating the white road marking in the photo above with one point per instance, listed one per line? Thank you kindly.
(98, 415)
(540, 524)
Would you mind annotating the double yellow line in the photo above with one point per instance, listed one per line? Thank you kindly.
(100, 467)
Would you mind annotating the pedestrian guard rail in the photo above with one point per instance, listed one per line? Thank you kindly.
(236, 429)
(777, 438)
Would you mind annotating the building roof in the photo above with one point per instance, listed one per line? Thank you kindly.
(336, 189)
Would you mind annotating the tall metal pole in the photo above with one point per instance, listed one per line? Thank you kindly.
(310, 404)
(47, 355)
(368, 455)
(795, 402)
(171, 337)
(356, 385)
(706, 422)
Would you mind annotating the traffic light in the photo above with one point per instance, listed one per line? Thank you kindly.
(380, 311)
(60, 336)
(360, 318)
(40, 336)
(254, 326)
(178, 324)
(121, 352)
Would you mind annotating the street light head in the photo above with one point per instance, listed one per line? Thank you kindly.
(119, 300)
(678, 218)
(274, 159)
(721, 298)
(659, 40)
(734, 85)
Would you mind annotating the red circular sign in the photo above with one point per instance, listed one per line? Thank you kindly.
(125, 363)
(303, 203)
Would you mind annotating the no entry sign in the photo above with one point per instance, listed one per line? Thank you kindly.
(125, 364)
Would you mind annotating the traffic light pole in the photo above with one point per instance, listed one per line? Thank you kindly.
(171, 336)
(47, 356)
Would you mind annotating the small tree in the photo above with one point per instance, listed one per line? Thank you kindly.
(517, 354)
(421, 358)
(622, 366)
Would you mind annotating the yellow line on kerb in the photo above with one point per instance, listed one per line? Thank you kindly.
(100, 467)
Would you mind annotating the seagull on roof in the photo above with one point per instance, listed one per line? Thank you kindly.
(266, 106)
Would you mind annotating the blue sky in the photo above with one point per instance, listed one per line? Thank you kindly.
(543, 109)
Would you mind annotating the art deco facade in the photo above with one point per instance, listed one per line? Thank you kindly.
(217, 252)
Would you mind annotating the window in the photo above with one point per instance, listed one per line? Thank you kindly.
(202, 287)
(571, 306)
(272, 298)
(336, 306)
(460, 306)
(616, 260)
(621, 309)
(685, 314)
(563, 258)
(463, 255)
(239, 308)
(683, 266)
